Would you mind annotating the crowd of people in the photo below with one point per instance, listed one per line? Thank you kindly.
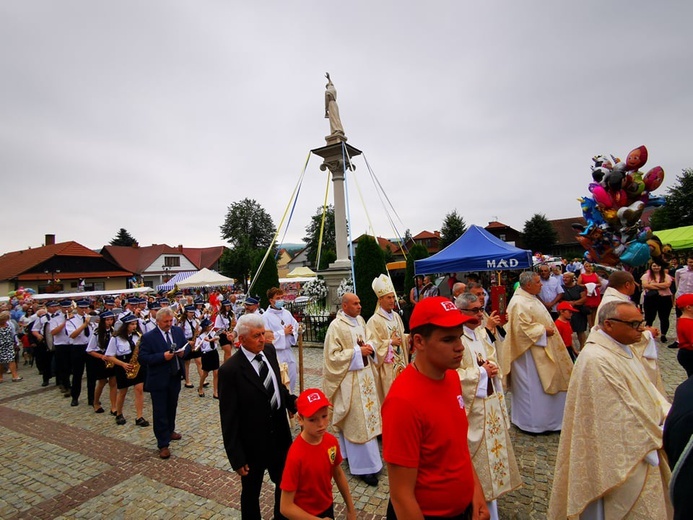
(575, 355)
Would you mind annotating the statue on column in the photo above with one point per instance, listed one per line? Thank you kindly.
(332, 112)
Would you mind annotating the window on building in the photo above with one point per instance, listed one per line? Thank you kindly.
(172, 261)
(502, 237)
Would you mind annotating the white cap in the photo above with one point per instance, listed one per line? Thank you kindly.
(382, 285)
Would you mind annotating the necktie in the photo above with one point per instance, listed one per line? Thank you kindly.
(86, 329)
(266, 379)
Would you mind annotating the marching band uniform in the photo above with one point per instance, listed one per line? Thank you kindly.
(79, 331)
(61, 343)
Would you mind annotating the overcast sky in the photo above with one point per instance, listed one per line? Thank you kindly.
(155, 116)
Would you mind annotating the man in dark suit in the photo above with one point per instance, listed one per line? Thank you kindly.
(253, 405)
(161, 351)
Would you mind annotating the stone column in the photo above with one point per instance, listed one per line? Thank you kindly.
(334, 160)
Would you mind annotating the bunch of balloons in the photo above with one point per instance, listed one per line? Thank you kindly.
(619, 193)
(21, 293)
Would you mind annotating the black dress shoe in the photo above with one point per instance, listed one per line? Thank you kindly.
(675, 344)
(370, 479)
(45, 383)
(74, 402)
(120, 420)
(141, 421)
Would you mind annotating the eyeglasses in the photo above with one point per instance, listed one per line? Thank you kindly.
(475, 310)
(635, 324)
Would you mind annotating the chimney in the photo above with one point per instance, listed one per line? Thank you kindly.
(50, 240)
(180, 247)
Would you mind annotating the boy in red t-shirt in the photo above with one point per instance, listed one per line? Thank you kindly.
(565, 312)
(429, 470)
(311, 464)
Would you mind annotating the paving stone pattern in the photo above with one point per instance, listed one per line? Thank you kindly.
(68, 462)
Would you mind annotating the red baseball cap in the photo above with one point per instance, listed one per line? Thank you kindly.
(310, 401)
(437, 311)
(684, 300)
(565, 306)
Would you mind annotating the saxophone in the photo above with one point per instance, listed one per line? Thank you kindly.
(132, 374)
(109, 364)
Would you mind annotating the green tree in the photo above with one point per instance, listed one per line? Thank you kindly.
(678, 210)
(237, 262)
(312, 238)
(417, 252)
(247, 221)
(268, 277)
(369, 263)
(453, 228)
(123, 238)
(538, 234)
(326, 258)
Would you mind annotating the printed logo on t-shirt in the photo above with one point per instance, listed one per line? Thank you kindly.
(332, 453)
(460, 401)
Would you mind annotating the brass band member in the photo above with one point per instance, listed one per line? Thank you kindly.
(121, 350)
(223, 326)
(98, 365)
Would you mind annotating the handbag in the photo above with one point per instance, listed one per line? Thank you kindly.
(651, 292)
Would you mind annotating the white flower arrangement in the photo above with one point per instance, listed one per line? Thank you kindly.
(315, 289)
(345, 286)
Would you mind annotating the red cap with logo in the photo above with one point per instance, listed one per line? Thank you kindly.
(310, 401)
(565, 306)
(437, 311)
(684, 300)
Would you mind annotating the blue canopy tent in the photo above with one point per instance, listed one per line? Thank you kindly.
(476, 250)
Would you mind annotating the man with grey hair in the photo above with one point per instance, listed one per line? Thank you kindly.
(457, 289)
(622, 286)
(488, 434)
(350, 377)
(162, 351)
(610, 461)
(535, 360)
(253, 405)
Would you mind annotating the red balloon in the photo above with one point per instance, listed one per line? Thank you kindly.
(636, 158)
(653, 179)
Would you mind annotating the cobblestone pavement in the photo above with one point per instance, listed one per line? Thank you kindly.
(68, 462)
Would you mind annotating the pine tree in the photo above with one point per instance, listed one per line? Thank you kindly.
(268, 277)
(123, 238)
(538, 234)
(453, 228)
(678, 210)
(369, 263)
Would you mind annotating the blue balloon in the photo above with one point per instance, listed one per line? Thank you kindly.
(636, 254)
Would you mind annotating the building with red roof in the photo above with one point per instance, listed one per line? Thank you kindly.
(157, 263)
(60, 267)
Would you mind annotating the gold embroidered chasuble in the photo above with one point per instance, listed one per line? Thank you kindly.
(390, 362)
(613, 419)
(488, 435)
(353, 393)
(527, 322)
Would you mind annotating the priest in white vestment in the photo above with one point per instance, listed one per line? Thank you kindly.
(385, 331)
(488, 435)
(535, 360)
(350, 378)
(610, 462)
(621, 287)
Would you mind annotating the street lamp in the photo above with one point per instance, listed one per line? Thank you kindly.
(166, 269)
